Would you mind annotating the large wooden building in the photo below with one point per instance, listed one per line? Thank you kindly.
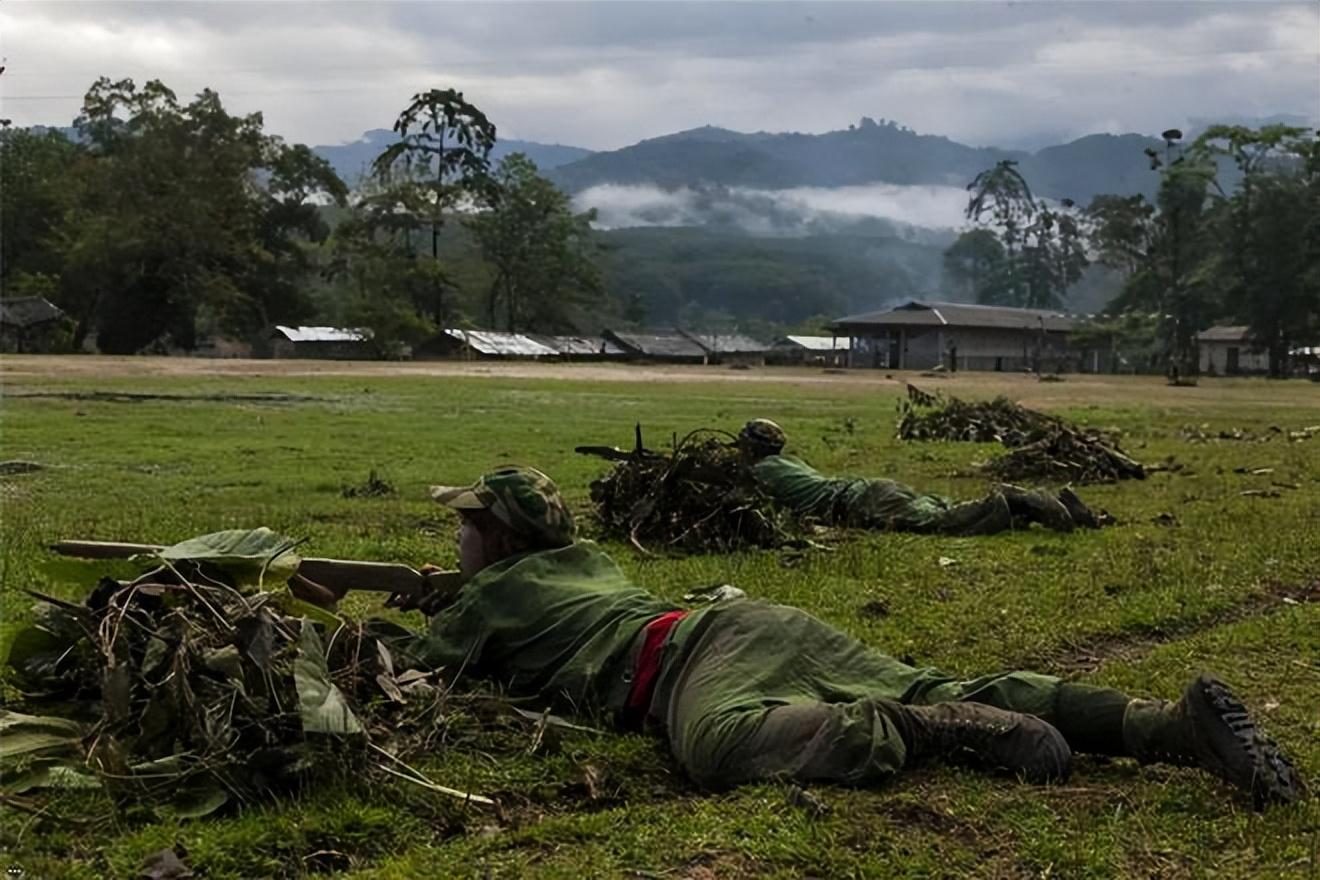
(963, 336)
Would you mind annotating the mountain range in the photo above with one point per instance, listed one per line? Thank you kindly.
(871, 152)
(866, 153)
(710, 225)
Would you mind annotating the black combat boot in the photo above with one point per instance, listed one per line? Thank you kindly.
(1077, 509)
(983, 736)
(1210, 729)
(1032, 506)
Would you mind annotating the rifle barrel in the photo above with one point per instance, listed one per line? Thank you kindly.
(103, 549)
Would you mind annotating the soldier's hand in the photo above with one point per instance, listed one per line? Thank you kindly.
(438, 593)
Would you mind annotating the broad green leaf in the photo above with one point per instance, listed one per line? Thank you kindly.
(197, 798)
(29, 642)
(238, 551)
(36, 734)
(45, 773)
(320, 703)
(291, 606)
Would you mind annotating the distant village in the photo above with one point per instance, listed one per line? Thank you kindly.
(917, 335)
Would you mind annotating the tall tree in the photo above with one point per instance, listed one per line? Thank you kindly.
(185, 213)
(1161, 248)
(39, 177)
(1002, 194)
(541, 251)
(440, 162)
(1042, 246)
(1262, 263)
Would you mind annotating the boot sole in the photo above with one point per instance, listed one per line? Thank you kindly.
(1273, 779)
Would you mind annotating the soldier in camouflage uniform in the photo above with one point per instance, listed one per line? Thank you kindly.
(745, 690)
(888, 505)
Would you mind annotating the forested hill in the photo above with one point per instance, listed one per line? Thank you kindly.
(351, 160)
(867, 153)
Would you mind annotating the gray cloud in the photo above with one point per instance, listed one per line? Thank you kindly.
(606, 74)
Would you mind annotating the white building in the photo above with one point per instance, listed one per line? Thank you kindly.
(1230, 351)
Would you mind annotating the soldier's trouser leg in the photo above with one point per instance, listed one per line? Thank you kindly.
(770, 691)
(1089, 717)
(752, 701)
(988, 516)
(890, 505)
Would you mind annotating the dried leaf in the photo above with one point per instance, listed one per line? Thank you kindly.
(164, 865)
(391, 689)
(256, 638)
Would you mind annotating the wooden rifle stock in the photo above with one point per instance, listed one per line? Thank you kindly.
(336, 575)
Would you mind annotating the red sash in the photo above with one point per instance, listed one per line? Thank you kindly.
(647, 667)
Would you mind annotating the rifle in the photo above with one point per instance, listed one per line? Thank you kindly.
(609, 453)
(334, 576)
(614, 453)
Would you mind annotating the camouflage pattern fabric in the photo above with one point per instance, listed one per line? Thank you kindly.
(523, 498)
(762, 437)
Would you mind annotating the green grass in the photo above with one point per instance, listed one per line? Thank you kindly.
(1141, 606)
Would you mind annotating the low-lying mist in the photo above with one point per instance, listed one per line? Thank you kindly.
(910, 212)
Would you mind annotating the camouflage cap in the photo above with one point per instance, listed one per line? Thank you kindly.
(523, 498)
(763, 436)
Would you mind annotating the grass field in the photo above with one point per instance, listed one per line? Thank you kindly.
(1195, 576)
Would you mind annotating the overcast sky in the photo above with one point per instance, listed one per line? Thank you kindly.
(603, 75)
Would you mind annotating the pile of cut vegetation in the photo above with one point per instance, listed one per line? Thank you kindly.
(1044, 447)
(190, 686)
(699, 496)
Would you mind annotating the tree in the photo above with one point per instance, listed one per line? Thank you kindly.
(38, 183)
(1262, 266)
(975, 263)
(541, 251)
(183, 213)
(1121, 231)
(1161, 249)
(441, 161)
(1042, 246)
(378, 279)
(1002, 193)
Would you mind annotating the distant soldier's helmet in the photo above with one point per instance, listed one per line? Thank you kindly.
(523, 498)
(762, 436)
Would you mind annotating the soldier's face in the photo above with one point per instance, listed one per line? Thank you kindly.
(471, 549)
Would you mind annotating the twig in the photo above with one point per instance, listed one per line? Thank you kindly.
(416, 777)
(193, 591)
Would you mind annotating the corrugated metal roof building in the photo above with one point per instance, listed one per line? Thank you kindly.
(329, 343)
(672, 347)
(494, 344)
(826, 351)
(580, 347)
(28, 311)
(924, 335)
(30, 323)
(729, 348)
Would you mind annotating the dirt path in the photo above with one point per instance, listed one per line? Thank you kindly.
(1076, 390)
